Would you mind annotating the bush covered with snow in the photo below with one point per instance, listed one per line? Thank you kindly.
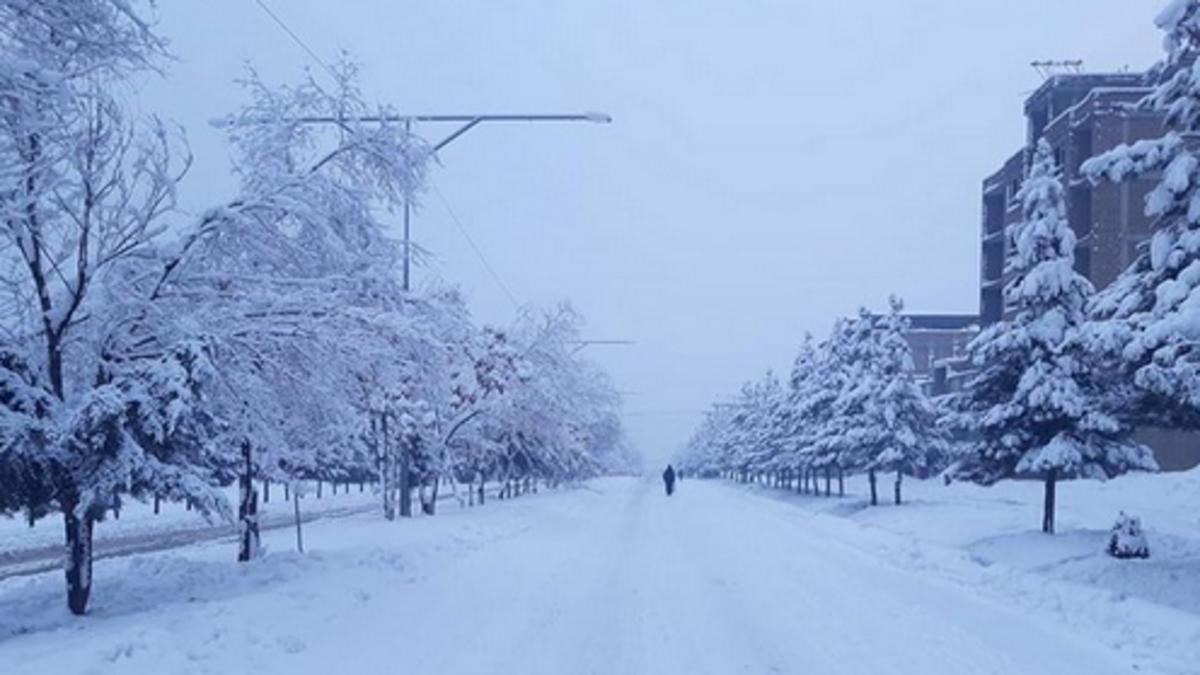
(1127, 539)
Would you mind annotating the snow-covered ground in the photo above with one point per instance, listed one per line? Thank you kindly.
(1150, 609)
(616, 578)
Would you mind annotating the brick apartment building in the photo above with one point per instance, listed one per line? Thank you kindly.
(1080, 115)
(936, 341)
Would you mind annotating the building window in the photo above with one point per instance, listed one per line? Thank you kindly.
(1083, 261)
(991, 305)
(993, 213)
(1082, 139)
(1014, 187)
(1037, 123)
(993, 261)
(1080, 210)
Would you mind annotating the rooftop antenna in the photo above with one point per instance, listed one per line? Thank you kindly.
(1048, 68)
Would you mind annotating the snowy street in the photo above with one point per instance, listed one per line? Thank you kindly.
(599, 338)
(610, 578)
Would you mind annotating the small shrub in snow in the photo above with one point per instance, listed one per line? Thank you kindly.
(1127, 539)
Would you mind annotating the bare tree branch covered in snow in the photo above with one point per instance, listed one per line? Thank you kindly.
(268, 339)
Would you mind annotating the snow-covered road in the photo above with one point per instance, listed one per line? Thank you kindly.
(613, 578)
(714, 580)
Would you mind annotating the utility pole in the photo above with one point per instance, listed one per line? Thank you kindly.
(466, 122)
(407, 219)
(580, 345)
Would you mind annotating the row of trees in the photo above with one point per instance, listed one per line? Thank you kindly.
(1060, 385)
(850, 405)
(146, 354)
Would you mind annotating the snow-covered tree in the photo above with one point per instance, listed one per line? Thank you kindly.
(705, 453)
(899, 431)
(84, 190)
(1036, 407)
(1147, 322)
(811, 391)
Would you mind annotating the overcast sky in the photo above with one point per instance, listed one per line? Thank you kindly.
(771, 166)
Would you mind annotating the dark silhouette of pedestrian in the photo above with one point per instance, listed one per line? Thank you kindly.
(669, 480)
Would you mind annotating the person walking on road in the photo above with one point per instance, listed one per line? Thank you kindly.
(669, 480)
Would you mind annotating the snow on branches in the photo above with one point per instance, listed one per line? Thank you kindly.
(1037, 406)
(1148, 320)
(267, 339)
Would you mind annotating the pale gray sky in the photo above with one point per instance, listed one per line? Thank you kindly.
(772, 164)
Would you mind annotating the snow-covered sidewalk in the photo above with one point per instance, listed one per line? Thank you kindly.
(988, 538)
(610, 578)
(25, 550)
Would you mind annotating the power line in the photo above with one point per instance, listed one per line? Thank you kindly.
(471, 242)
(296, 38)
(668, 412)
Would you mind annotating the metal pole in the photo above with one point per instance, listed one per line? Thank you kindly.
(407, 218)
(468, 122)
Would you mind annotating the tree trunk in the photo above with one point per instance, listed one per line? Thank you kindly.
(248, 509)
(386, 470)
(841, 482)
(318, 489)
(299, 535)
(287, 491)
(899, 478)
(405, 484)
(157, 504)
(266, 490)
(79, 558)
(1048, 509)
(431, 508)
(482, 490)
(828, 482)
(871, 480)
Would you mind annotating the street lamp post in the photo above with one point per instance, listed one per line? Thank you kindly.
(466, 122)
(580, 345)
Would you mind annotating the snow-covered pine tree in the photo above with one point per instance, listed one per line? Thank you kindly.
(816, 385)
(706, 454)
(838, 443)
(803, 386)
(1034, 407)
(756, 444)
(1148, 320)
(901, 433)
